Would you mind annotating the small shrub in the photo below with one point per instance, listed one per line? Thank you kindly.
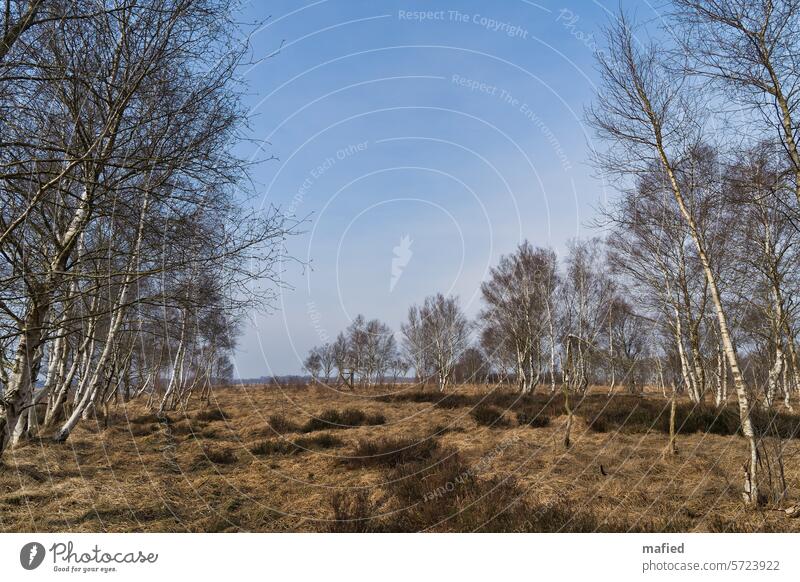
(691, 418)
(488, 415)
(423, 480)
(139, 430)
(636, 415)
(211, 414)
(451, 401)
(441, 429)
(320, 422)
(348, 418)
(149, 419)
(321, 441)
(274, 447)
(281, 425)
(284, 447)
(599, 424)
(506, 399)
(216, 455)
(619, 413)
(209, 433)
(390, 452)
(375, 419)
(351, 417)
(446, 401)
(536, 420)
(502, 398)
(444, 494)
(328, 420)
(412, 396)
(353, 513)
(186, 428)
(775, 423)
(356, 417)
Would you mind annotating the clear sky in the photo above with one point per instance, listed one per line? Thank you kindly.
(422, 140)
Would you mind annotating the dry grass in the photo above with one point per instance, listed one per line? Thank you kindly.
(364, 465)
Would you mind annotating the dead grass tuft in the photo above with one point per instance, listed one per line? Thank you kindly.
(348, 418)
(212, 414)
(281, 425)
(215, 455)
(390, 452)
(489, 415)
(285, 447)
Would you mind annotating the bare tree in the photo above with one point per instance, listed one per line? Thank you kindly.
(327, 361)
(519, 301)
(415, 345)
(438, 332)
(313, 364)
(472, 367)
(766, 249)
(587, 296)
(380, 351)
(366, 351)
(646, 117)
(120, 175)
(749, 49)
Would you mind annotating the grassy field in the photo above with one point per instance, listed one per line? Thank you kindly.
(393, 459)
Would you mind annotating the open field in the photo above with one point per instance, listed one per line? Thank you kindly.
(397, 459)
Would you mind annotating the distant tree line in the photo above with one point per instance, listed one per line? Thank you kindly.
(593, 318)
(540, 321)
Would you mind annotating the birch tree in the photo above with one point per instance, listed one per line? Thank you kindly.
(519, 301)
(117, 176)
(646, 116)
(437, 331)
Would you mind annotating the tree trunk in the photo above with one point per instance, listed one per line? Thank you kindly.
(672, 446)
(552, 349)
(688, 377)
(774, 377)
(568, 425)
(20, 385)
(751, 493)
(722, 372)
(23, 425)
(173, 381)
(91, 388)
(611, 363)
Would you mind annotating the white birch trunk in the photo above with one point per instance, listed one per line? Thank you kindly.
(751, 492)
(91, 387)
(173, 381)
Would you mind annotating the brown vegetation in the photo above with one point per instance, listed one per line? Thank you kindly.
(434, 466)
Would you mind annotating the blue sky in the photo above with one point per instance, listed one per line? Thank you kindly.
(456, 127)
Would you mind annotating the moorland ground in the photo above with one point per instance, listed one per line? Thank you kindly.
(401, 458)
